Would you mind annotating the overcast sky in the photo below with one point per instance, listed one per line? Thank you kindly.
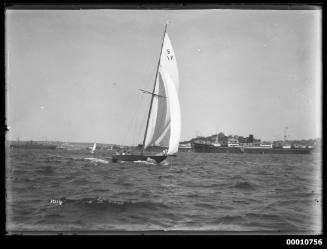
(74, 75)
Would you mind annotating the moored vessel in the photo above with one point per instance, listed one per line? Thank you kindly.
(211, 148)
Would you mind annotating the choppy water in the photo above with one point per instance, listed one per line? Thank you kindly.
(194, 191)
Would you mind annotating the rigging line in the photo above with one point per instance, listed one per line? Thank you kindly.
(134, 126)
(142, 121)
(134, 115)
(141, 111)
(157, 95)
(133, 129)
(130, 128)
(137, 121)
(127, 134)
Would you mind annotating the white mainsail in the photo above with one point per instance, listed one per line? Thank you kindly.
(165, 118)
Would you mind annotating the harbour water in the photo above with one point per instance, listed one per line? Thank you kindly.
(73, 190)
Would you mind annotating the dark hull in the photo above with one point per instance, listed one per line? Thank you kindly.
(153, 148)
(208, 148)
(132, 158)
(162, 148)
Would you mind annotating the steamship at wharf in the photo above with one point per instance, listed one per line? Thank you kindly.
(232, 145)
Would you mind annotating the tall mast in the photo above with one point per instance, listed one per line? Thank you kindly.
(154, 88)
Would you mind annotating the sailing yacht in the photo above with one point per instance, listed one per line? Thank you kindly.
(93, 148)
(164, 116)
(216, 143)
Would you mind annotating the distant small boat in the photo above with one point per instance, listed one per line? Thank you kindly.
(164, 117)
(93, 148)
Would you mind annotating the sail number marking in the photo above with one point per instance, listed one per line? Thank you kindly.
(169, 56)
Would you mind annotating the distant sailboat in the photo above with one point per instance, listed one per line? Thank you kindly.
(164, 117)
(216, 143)
(93, 148)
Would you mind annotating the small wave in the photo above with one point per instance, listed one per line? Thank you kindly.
(271, 217)
(53, 216)
(53, 156)
(96, 160)
(148, 162)
(80, 181)
(169, 185)
(27, 164)
(212, 185)
(19, 171)
(229, 219)
(165, 163)
(289, 202)
(100, 190)
(238, 177)
(304, 194)
(46, 170)
(205, 205)
(50, 160)
(219, 227)
(244, 185)
(192, 195)
(76, 158)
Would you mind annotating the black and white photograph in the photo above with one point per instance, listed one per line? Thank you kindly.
(163, 119)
